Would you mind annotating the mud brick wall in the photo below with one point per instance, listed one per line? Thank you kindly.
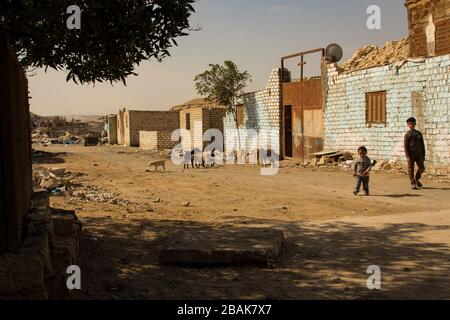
(112, 129)
(213, 119)
(156, 140)
(261, 113)
(419, 89)
(136, 121)
(121, 128)
(38, 269)
(418, 11)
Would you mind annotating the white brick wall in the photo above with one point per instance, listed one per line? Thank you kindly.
(419, 89)
(261, 113)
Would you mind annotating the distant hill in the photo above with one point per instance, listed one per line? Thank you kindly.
(90, 118)
(78, 118)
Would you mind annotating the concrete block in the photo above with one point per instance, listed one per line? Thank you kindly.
(219, 246)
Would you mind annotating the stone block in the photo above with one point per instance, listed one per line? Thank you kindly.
(65, 223)
(40, 199)
(223, 246)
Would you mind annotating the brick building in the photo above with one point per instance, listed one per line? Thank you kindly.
(111, 128)
(429, 27)
(131, 122)
(370, 106)
(198, 116)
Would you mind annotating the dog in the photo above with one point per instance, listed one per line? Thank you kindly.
(157, 164)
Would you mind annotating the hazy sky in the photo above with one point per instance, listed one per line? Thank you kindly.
(252, 33)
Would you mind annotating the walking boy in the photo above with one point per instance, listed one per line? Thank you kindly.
(415, 153)
(361, 170)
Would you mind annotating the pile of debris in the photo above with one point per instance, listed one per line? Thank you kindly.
(60, 182)
(346, 161)
(54, 180)
(393, 165)
(43, 138)
(334, 158)
(372, 56)
(94, 194)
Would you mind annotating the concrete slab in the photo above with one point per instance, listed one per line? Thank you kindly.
(223, 246)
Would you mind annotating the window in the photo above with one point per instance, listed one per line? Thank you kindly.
(240, 115)
(188, 121)
(376, 107)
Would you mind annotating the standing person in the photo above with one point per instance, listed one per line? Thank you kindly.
(361, 170)
(415, 153)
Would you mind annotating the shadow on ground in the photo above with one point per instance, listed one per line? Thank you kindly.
(319, 261)
(42, 157)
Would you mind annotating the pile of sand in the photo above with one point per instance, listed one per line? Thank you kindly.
(373, 56)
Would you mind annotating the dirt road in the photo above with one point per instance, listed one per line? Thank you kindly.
(332, 235)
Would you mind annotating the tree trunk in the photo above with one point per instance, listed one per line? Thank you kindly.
(237, 127)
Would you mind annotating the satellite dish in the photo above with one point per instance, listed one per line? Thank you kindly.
(334, 52)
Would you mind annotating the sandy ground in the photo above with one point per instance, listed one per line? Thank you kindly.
(332, 236)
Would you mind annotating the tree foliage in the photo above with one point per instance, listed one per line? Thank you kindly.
(222, 84)
(115, 35)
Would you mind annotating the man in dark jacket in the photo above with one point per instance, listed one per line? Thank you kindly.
(415, 153)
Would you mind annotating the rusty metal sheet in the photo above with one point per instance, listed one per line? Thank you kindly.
(291, 93)
(312, 145)
(297, 132)
(305, 98)
(312, 117)
(312, 94)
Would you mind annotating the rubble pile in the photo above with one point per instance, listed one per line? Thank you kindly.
(345, 161)
(55, 180)
(94, 194)
(38, 137)
(60, 182)
(374, 56)
(393, 165)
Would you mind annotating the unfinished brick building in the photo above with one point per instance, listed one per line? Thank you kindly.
(369, 106)
(198, 116)
(131, 122)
